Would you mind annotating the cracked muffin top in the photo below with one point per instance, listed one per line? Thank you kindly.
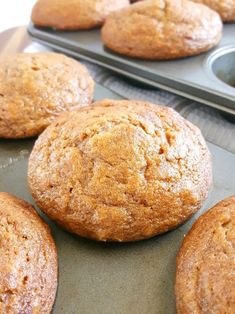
(74, 14)
(225, 8)
(205, 281)
(162, 29)
(120, 170)
(36, 87)
(28, 263)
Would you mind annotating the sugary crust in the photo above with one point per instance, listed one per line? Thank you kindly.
(225, 8)
(74, 14)
(165, 29)
(205, 281)
(36, 87)
(28, 263)
(120, 170)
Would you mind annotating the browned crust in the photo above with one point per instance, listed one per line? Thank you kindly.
(166, 29)
(225, 8)
(28, 264)
(205, 281)
(36, 87)
(120, 170)
(74, 14)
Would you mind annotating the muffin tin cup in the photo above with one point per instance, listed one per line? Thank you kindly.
(198, 78)
(221, 65)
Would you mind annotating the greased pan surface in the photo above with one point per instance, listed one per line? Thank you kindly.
(99, 278)
(196, 77)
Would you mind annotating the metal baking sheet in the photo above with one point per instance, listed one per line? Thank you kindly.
(99, 278)
(189, 77)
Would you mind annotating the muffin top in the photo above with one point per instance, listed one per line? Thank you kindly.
(225, 8)
(120, 170)
(28, 264)
(205, 281)
(165, 29)
(36, 87)
(74, 14)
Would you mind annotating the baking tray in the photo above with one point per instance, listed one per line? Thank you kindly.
(202, 78)
(100, 278)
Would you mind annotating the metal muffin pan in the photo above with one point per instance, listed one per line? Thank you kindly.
(109, 278)
(189, 77)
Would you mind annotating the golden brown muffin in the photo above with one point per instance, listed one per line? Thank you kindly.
(74, 14)
(28, 263)
(205, 280)
(165, 29)
(120, 170)
(36, 87)
(225, 8)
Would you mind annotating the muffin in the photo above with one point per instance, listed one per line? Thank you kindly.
(166, 29)
(205, 281)
(225, 8)
(120, 170)
(28, 265)
(36, 87)
(74, 14)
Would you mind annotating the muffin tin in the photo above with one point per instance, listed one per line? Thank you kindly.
(208, 78)
(104, 278)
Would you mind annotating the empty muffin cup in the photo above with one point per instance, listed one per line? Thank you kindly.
(222, 64)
